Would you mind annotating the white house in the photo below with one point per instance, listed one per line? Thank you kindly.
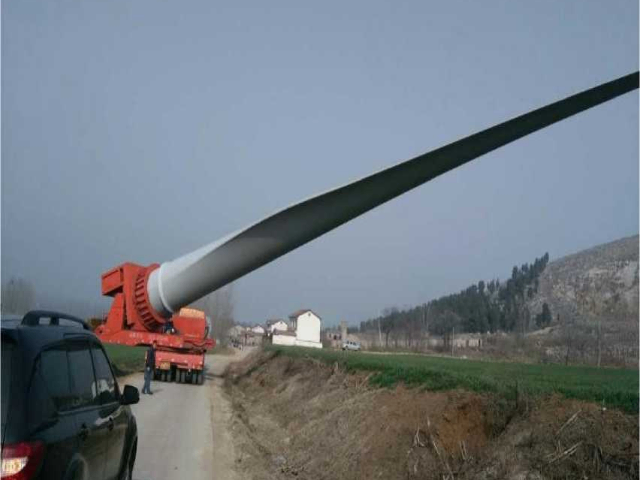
(283, 338)
(236, 331)
(258, 330)
(307, 325)
(277, 325)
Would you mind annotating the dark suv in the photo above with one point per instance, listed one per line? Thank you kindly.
(63, 415)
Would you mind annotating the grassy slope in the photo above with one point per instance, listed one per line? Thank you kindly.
(125, 359)
(616, 387)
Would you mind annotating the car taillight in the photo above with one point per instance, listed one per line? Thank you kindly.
(20, 461)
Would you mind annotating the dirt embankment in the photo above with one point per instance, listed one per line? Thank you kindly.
(301, 418)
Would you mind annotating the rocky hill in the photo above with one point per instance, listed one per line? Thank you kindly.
(600, 283)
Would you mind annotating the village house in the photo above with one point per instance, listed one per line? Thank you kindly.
(236, 331)
(334, 337)
(284, 338)
(277, 325)
(307, 326)
(258, 330)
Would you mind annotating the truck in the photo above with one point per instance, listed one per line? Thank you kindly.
(182, 338)
(148, 301)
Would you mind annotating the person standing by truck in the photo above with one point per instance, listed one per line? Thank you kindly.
(149, 368)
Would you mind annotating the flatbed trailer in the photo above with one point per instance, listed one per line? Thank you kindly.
(179, 367)
(182, 339)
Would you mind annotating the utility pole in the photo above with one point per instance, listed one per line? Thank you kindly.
(427, 317)
(425, 323)
(422, 326)
(599, 341)
(453, 338)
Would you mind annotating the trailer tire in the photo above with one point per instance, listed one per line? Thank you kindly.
(201, 377)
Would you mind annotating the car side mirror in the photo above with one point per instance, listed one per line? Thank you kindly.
(130, 395)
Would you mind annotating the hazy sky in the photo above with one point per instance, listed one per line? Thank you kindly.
(140, 130)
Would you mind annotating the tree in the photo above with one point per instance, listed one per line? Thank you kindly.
(546, 314)
(389, 318)
(218, 307)
(493, 318)
(471, 310)
(544, 319)
(18, 296)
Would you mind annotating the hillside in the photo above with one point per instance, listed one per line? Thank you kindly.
(600, 283)
(581, 308)
(318, 414)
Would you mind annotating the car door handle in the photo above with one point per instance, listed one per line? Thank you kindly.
(111, 423)
(84, 432)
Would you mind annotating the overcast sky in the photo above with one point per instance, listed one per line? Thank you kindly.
(140, 130)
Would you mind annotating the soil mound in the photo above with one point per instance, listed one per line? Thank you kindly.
(302, 418)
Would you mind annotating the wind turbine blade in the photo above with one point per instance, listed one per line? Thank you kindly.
(185, 279)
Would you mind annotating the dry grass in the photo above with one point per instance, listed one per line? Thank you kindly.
(306, 418)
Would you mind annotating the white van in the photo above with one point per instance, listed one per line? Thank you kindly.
(349, 345)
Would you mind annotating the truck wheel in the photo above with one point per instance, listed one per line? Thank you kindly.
(194, 378)
(201, 377)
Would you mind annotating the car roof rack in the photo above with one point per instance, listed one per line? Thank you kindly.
(33, 317)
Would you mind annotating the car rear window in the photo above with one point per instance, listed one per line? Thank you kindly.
(83, 381)
(55, 372)
(63, 322)
(104, 377)
(41, 405)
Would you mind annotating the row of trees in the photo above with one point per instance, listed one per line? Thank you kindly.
(219, 307)
(18, 296)
(485, 306)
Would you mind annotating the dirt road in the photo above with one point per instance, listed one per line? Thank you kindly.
(182, 429)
